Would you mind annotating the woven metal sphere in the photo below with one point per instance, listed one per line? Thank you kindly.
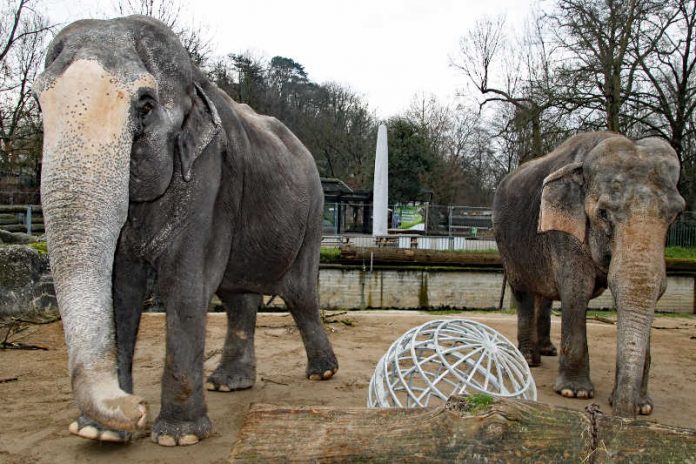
(441, 358)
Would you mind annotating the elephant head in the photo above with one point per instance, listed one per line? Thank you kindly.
(618, 198)
(123, 116)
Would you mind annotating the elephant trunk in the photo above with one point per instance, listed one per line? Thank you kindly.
(84, 192)
(636, 279)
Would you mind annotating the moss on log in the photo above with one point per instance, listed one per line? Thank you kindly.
(462, 430)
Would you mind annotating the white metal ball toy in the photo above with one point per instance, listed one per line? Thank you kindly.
(441, 358)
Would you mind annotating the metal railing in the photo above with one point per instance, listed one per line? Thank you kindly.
(422, 242)
(21, 218)
(436, 227)
(445, 227)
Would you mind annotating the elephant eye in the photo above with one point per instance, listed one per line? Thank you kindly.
(602, 214)
(146, 109)
(145, 106)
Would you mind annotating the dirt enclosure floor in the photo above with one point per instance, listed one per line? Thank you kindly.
(36, 408)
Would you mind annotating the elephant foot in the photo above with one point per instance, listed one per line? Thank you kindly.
(532, 356)
(85, 427)
(644, 405)
(322, 368)
(582, 389)
(232, 376)
(175, 433)
(548, 349)
(113, 410)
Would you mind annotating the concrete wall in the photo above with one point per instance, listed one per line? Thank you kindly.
(353, 288)
(25, 285)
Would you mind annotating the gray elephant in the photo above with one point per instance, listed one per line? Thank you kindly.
(149, 167)
(593, 213)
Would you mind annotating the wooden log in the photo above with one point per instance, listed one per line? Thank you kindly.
(406, 256)
(465, 429)
(415, 256)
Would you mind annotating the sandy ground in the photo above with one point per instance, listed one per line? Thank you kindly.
(37, 407)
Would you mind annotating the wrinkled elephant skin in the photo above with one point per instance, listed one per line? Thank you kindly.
(592, 214)
(151, 169)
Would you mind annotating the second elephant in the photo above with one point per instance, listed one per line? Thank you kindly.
(592, 214)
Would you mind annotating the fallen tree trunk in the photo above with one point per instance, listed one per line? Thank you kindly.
(423, 257)
(465, 429)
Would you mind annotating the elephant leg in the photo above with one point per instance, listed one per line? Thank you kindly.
(183, 418)
(645, 403)
(302, 301)
(644, 406)
(573, 379)
(129, 287)
(237, 368)
(321, 360)
(527, 341)
(542, 313)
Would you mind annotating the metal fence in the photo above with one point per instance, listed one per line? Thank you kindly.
(422, 219)
(442, 227)
(422, 242)
(683, 231)
(431, 227)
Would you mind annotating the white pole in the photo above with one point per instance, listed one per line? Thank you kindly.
(380, 190)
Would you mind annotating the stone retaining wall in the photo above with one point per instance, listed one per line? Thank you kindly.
(26, 284)
(352, 288)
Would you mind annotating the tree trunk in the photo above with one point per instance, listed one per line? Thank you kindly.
(473, 429)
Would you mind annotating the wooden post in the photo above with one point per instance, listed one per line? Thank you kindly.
(473, 429)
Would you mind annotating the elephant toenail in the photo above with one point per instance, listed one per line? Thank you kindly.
(164, 440)
(112, 436)
(74, 428)
(315, 377)
(210, 386)
(142, 422)
(568, 393)
(89, 432)
(327, 375)
(188, 440)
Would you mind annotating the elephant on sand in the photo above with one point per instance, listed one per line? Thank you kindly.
(593, 213)
(149, 167)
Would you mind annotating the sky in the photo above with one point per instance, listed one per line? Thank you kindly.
(387, 51)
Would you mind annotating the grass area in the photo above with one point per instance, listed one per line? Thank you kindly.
(478, 402)
(680, 252)
(41, 247)
(329, 255)
(483, 251)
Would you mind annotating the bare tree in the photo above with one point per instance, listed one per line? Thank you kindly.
(523, 72)
(23, 31)
(170, 12)
(665, 105)
(603, 44)
(668, 101)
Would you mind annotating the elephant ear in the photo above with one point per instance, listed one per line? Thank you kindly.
(562, 202)
(201, 126)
